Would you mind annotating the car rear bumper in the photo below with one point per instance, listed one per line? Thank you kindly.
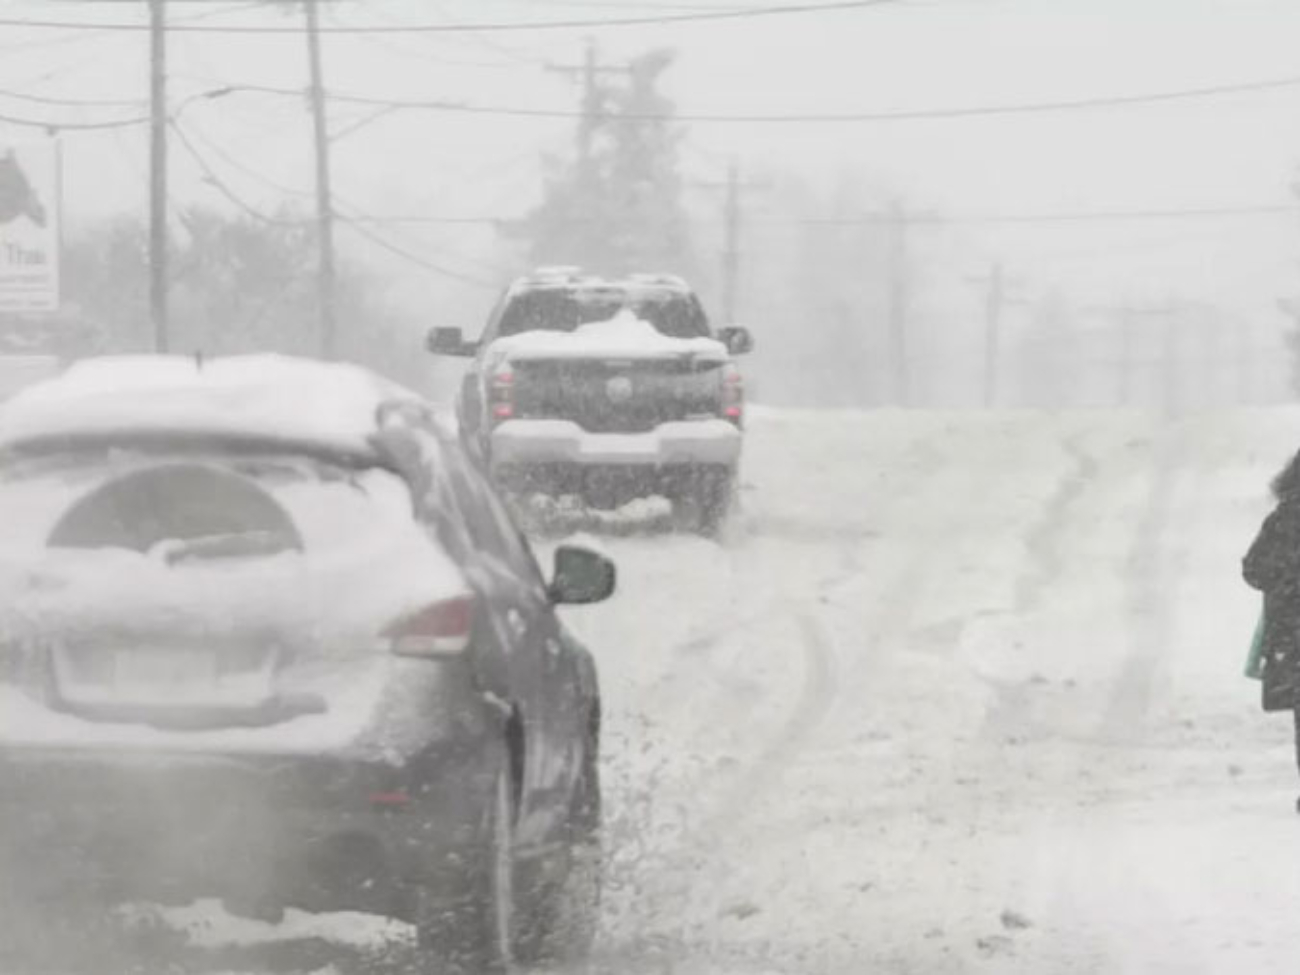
(679, 443)
(318, 834)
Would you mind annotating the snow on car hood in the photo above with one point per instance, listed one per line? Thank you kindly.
(625, 336)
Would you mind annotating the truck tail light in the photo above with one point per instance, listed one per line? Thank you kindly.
(501, 395)
(733, 394)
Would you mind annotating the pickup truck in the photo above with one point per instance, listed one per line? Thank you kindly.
(610, 389)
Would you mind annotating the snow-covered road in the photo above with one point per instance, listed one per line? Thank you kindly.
(959, 694)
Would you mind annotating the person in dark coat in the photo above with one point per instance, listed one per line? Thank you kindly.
(1273, 567)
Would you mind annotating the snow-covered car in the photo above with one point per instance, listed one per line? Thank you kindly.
(267, 635)
(610, 389)
(19, 370)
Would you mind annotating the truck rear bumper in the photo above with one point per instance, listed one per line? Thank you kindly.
(521, 443)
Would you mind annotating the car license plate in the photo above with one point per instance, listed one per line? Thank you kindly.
(164, 668)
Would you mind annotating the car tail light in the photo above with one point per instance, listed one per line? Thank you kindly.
(438, 630)
(501, 395)
(733, 394)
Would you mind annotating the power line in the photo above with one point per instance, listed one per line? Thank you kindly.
(343, 208)
(230, 5)
(1084, 216)
(357, 216)
(215, 181)
(882, 116)
(899, 115)
(216, 149)
(54, 125)
(514, 61)
(73, 102)
(50, 125)
(1087, 216)
(481, 27)
(413, 258)
(78, 34)
(486, 42)
(602, 4)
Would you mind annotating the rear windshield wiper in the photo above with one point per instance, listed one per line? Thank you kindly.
(232, 545)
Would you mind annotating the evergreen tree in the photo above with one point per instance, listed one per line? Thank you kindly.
(618, 206)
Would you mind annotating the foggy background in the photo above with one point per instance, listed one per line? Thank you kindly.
(1143, 248)
(960, 693)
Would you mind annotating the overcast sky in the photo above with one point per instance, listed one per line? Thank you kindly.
(1228, 150)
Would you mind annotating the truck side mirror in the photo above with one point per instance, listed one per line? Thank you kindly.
(449, 341)
(737, 339)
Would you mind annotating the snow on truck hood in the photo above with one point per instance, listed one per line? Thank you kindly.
(625, 336)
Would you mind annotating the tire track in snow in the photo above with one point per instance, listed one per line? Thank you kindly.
(672, 877)
(918, 458)
(816, 695)
(668, 848)
(1047, 561)
(1011, 707)
(669, 861)
(1148, 611)
(889, 616)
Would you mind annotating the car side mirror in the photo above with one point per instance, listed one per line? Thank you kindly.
(581, 576)
(737, 339)
(449, 341)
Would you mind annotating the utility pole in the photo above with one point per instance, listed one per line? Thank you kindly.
(1127, 316)
(1243, 351)
(1173, 365)
(1209, 383)
(593, 100)
(591, 104)
(1126, 356)
(732, 220)
(325, 283)
(992, 330)
(992, 334)
(731, 246)
(158, 173)
(995, 302)
(899, 351)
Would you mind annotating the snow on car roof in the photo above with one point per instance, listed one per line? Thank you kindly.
(274, 397)
(19, 371)
(624, 335)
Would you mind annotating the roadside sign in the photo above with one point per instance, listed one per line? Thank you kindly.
(29, 227)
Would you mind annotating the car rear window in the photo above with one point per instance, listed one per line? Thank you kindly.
(194, 505)
(673, 314)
